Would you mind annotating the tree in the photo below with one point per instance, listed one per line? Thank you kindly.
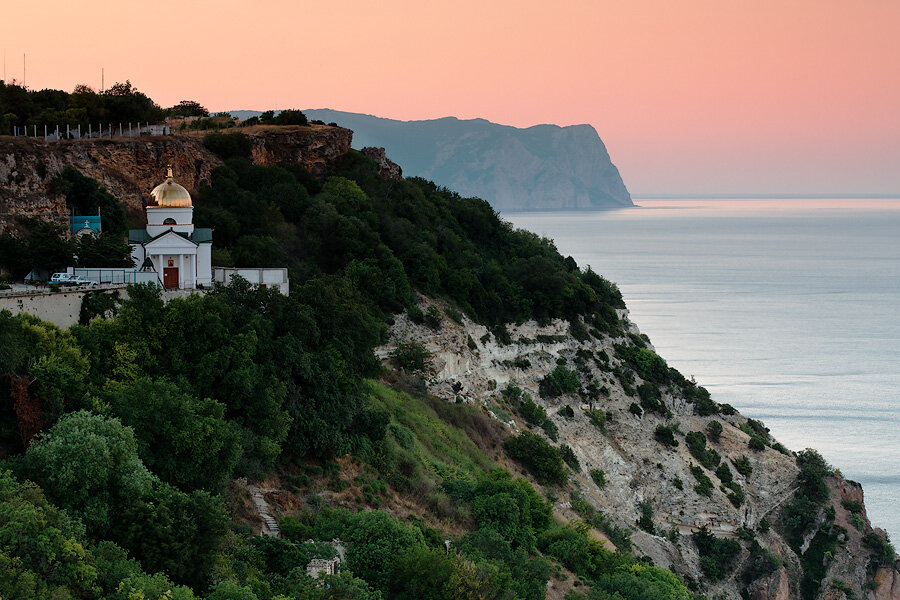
(541, 459)
(104, 250)
(87, 197)
(174, 532)
(184, 440)
(375, 542)
(89, 465)
(187, 108)
(38, 244)
(42, 554)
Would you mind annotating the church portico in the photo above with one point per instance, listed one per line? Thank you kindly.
(170, 245)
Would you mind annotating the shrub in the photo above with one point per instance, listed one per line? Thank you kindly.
(568, 456)
(599, 478)
(727, 410)
(550, 429)
(650, 398)
(678, 483)
(742, 465)
(704, 485)
(415, 314)
(411, 356)
(541, 459)
(433, 317)
(853, 506)
(454, 315)
(734, 492)
(760, 564)
(635, 409)
(724, 473)
(645, 520)
(559, 381)
(714, 430)
(228, 145)
(665, 436)
(532, 412)
(598, 419)
(717, 556)
(567, 412)
(882, 550)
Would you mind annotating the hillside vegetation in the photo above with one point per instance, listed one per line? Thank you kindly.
(129, 439)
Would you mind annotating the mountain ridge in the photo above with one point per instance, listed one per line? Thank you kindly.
(541, 167)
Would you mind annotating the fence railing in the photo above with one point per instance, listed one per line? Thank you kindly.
(51, 133)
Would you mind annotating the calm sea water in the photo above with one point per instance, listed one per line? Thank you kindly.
(787, 309)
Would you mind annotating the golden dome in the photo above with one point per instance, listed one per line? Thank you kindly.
(171, 195)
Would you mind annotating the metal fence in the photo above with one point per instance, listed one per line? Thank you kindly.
(52, 133)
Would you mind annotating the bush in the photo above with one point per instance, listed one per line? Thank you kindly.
(559, 381)
(532, 412)
(567, 412)
(541, 459)
(703, 403)
(724, 473)
(704, 485)
(598, 419)
(717, 556)
(665, 436)
(756, 443)
(651, 399)
(228, 145)
(881, 547)
(599, 477)
(569, 458)
(714, 429)
(645, 520)
(742, 465)
(550, 429)
(411, 356)
(635, 409)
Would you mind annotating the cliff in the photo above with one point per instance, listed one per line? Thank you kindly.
(469, 364)
(545, 167)
(129, 168)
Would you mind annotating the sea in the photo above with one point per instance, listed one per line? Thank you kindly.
(787, 309)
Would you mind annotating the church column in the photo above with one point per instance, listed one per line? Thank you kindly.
(180, 271)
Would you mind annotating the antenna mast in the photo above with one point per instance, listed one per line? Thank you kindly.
(101, 80)
(23, 69)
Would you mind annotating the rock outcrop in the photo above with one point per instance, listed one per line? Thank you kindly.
(130, 167)
(386, 167)
(469, 364)
(545, 167)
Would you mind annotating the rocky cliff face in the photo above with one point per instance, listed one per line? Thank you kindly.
(470, 365)
(129, 168)
(545, 167)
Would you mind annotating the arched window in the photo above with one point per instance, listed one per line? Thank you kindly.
(169, 221)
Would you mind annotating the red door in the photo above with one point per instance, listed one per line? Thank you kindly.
(170, 278)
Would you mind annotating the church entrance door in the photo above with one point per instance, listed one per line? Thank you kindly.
(170, 278)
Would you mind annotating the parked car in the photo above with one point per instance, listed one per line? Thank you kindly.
(70, 280)
(62, 278)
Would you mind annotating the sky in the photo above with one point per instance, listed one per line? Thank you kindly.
(690, 96)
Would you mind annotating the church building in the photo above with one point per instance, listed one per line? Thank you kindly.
(170, 244)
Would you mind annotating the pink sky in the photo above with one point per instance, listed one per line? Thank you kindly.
(797, 96)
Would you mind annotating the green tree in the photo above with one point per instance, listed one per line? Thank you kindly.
(89, 465)
(184, 440)
(541, 459)
(375, 543)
